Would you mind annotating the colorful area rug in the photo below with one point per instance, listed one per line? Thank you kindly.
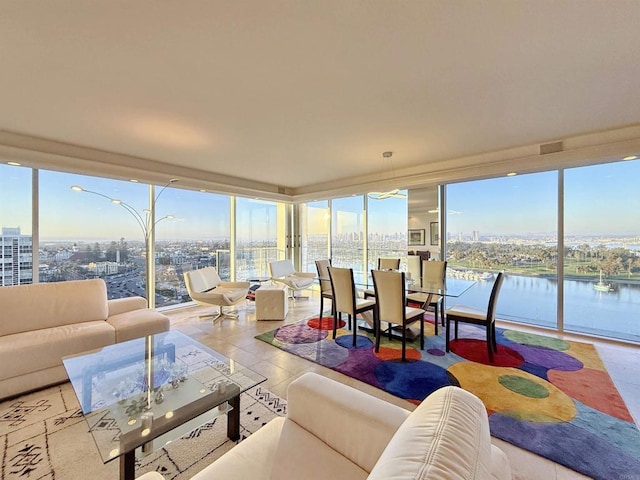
(549, 396)
(43, 435)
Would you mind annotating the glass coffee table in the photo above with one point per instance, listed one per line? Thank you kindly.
(136, 396)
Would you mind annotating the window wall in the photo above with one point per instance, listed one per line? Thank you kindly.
(16, 246)
(99, 229)
(260, 233)
(602, 250)
(387, 224)
(507, 224)
(83, 234)
(197, 234)
(315, 224)
(348, 245)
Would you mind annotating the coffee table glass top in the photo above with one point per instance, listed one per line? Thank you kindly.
(133, 392)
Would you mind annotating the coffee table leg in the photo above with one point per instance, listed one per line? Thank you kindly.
(128, 466)
(233, 419)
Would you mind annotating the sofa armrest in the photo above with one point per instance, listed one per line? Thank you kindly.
(342, 417)
(122, 305)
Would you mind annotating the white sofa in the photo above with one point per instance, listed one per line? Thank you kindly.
(333, 431)
(43, 322)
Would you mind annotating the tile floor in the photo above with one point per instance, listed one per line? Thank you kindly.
(235, 338)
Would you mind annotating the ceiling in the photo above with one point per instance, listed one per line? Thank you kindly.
(300, 93)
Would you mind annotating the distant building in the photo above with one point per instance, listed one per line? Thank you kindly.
(103, 268)
(16, 257)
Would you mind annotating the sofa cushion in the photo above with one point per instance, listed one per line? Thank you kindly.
(27, 352)
(251, 459)
(46, 305)
(138, 323)
(446, 437)
(341, 417)
(301, 454)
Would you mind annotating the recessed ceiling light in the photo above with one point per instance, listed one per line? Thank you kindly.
(15, 164)
(203, 190)
(630, 157)
(511, 174)
(133, 180)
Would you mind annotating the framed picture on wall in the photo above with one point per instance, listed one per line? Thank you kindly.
(416, 236)
(435, 235)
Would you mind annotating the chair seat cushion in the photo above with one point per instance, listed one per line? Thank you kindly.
(297, 282)
(469, 312)
(364, 303)
(231, 295)
(413, 314)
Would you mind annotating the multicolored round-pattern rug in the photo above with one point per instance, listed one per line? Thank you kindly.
(549, 396)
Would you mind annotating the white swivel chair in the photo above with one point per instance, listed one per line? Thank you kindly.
(206, 288)
(282, 271)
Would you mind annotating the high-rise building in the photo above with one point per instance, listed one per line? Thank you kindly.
(16, 257)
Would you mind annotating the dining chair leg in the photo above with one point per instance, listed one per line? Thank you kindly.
(442, 311)
(335, 324)
(404, 343)
(355, 329)
(490, 343)
(455, 326)
(493, 335)
(435, 320)
(321, 305)
(376, 327)
(447, 327)
(422, 333)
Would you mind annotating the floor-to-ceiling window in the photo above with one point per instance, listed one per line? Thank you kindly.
(348, 234)
(507, 224)
(258, 239)
(314, 227)
(387, 222)
(93, 231)
(602, 250)
(16, 246)
(197, 235)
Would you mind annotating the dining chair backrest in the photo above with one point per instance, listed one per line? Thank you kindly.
(390, 295)
(344, 290)
(433, 271)
(388, 263)
(493, 298)
(323, 274)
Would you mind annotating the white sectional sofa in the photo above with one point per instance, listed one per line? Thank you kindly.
(41, 323)
(333, 431)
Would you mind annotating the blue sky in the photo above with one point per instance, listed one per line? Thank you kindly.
(599, 200)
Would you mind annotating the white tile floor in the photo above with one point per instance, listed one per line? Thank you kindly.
(235, 338)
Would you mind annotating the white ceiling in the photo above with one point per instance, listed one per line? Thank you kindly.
(297, 93)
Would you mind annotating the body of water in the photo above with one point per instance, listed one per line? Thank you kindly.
(533, 300)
